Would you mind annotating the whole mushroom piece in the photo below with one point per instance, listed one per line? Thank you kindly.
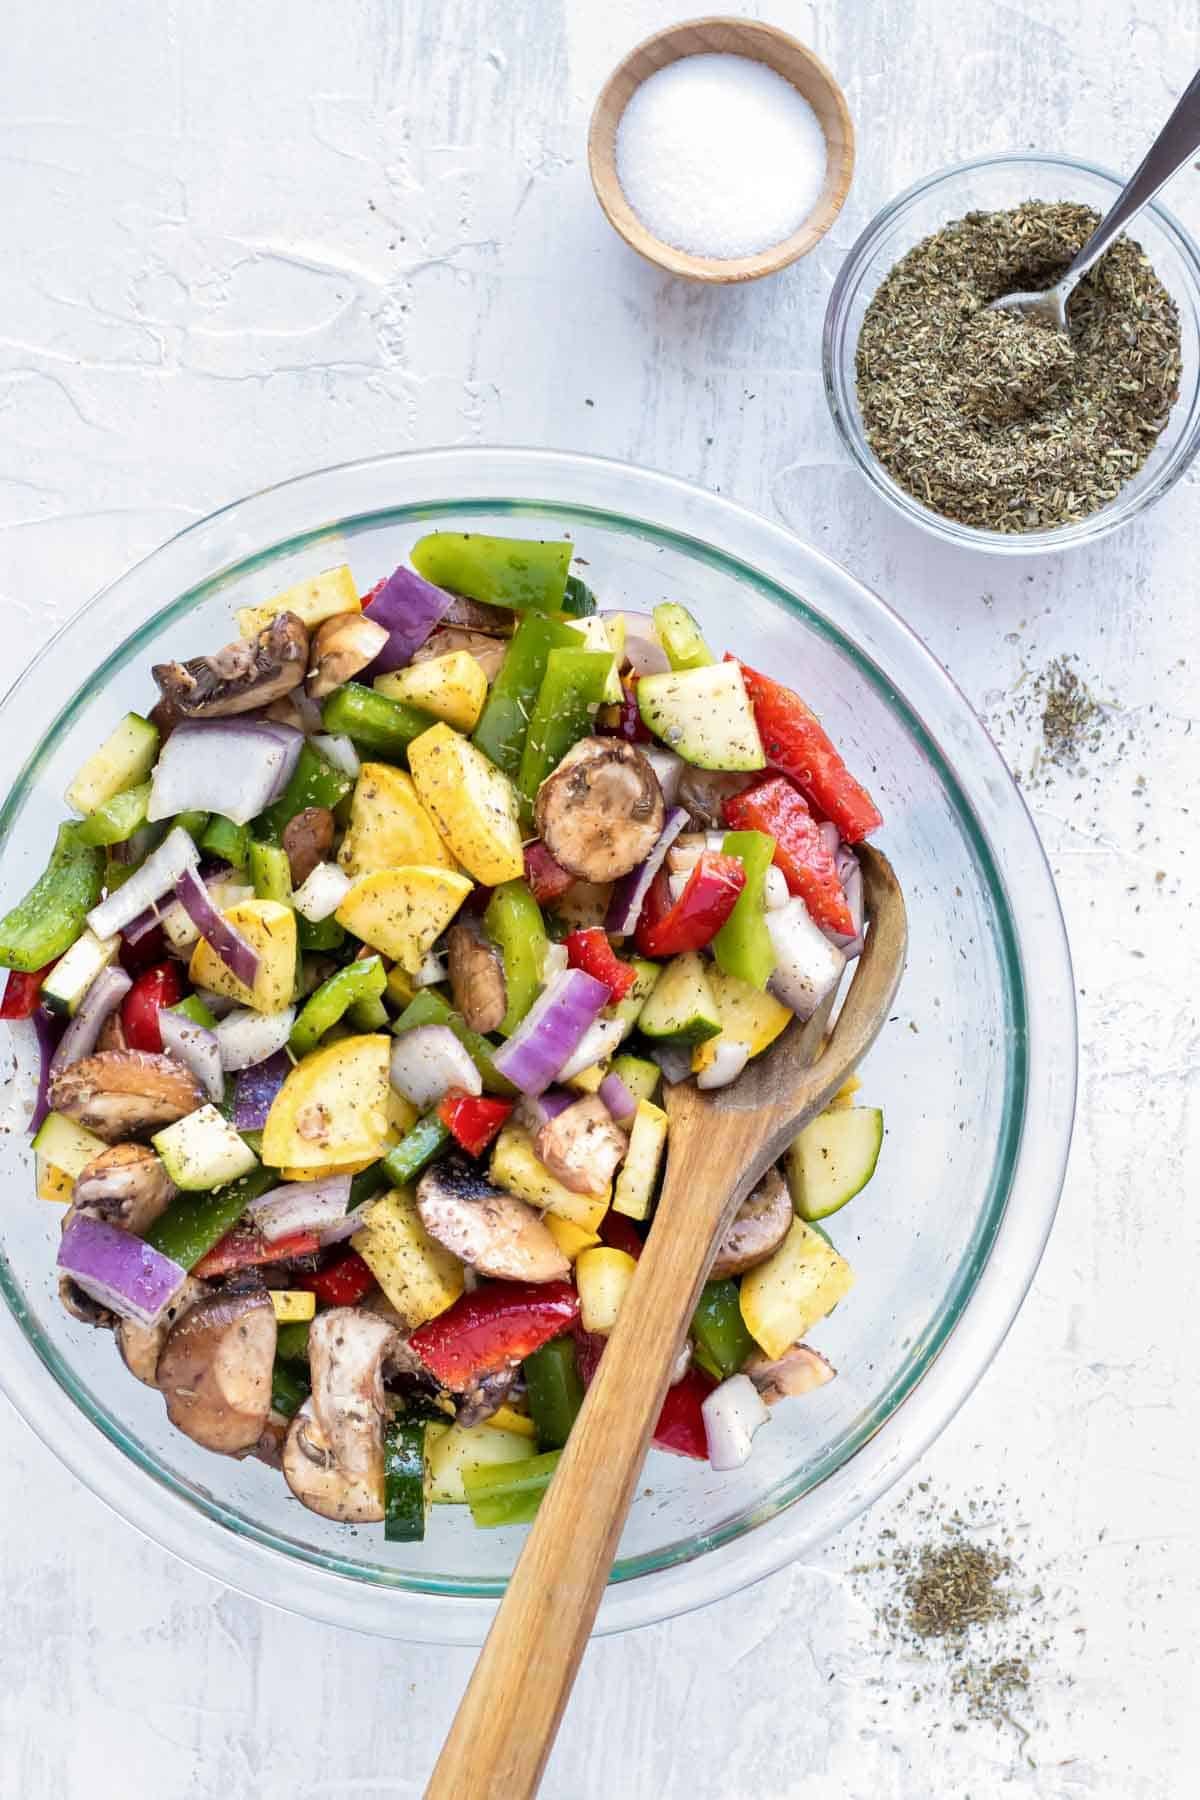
(142, 1345)
(249, 673)
(126, 1186)
(333, 1457)
(476, 978)
(216, 1368)
(487, 1229)
(759, 1227)
(123, 1093)
(601, 812)
(342, 647)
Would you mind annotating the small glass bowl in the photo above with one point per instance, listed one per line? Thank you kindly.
(993, 184)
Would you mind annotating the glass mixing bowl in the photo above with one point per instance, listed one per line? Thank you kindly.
(992, 184)
(976, 1073)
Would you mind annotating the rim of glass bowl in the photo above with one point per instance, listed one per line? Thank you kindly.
(1040, 1077)
(837, 359)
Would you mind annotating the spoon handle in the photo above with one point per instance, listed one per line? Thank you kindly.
(1175, 144)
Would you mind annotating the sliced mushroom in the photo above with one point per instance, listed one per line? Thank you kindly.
(798, 1371)
(601, 812)
(270, 1446)
(333, 1458)
(686, 852)
(121, 1093)
(342, 647)
(486, 1228)
(112, 1033)
(704, 792)
(582, 1146)
(248, 673)
(307, 839)
(81, 1306)
(477, 615)
(215, 1369)
(311, 1471)
(489, 652)
(126, 1186)
(166, 716)
(142, 1345)
(763, 1221)
(476, 978)
(485, 1398)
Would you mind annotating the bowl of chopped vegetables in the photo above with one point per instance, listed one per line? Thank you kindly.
(428, 816)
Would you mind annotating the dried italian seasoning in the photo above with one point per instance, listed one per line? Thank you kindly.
(999, 421)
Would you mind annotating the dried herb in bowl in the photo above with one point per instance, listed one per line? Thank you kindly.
(999, 421)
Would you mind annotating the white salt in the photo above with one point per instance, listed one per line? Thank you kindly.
(720, 156)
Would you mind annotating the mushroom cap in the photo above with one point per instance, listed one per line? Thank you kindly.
(126, 1186)
(581, 1145)
(122, 1093)
(478, 615)
(342, 647)
(601, 812)
(307, 839)
(762, 1222)
(216, 1367)
(476, 978)
(486, 1228)
(489, 652)
(81, 1306)
(142, 1345)
(248, 673)
(798, 1371)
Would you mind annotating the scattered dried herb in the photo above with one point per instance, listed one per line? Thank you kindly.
(1070, 712)
(1000, 421)
(954, 1586)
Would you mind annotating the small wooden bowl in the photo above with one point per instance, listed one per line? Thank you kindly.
(738, 37)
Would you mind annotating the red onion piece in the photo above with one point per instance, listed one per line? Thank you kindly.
(197, 1049)
(732, 1414)
(246, 1038)
(643, 646)
(48, 1027)
(157, 876)
(849, 871)
(409, 608)
(628, 896)
(536, 1110)
(616, 1096)
(239, 957)
(674, 1060)
(234, 767)
(103, 997)
(551, 1030)
(807, 965)
(255, 1092)
(343, 1228)
(301, 1206)
(119, 1270)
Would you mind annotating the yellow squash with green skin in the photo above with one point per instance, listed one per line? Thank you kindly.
(784, 1297)
(473, 804)
(747, 1016)
(516, 1169)
(322, 597)
(452, 687)
(333, 1108)
(402, 912)
(268, 928)
(389, 828)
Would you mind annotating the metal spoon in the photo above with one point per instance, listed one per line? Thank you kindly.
(1178, 140)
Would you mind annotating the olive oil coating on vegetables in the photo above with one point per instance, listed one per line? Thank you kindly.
(1000, 421)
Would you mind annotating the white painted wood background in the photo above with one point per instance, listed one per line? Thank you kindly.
(244, 240)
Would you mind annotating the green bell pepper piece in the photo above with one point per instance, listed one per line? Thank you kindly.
(720, 1331)
(681, 638)
(369, 1014)
(528, 574)
(118, 818)
(574, 683)
(291, 1341)
(428, 1008)
(315, 782)
(51, 916)
(404, 1483)
(224, 839)
(193, 1223)
(323, 1008)
(578, 600)
(416, 1150)
(194, 823)
(193, 1008)
(290, 1387)
(554, 1390)
(504, 722)
(509, 1493)
(384, 727)
(366, 1184)
(513, 922)
(271, 873)
(324, 935)
(742, 947)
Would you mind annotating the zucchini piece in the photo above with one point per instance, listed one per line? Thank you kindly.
(629, 1010)
(606, 634)
(405, 1481)
(74, 973)
(124, 759)
(202, 1151)
(704, 715)
(833, 1159)
(784, 1297)
(65, 1145)
(681, 1009)
(452, 1452)
(515, 1168)
(640, 1076)
(681, 637)
(116, 821)
(643, 1159)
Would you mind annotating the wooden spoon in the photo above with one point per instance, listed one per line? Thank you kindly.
(721, 1144)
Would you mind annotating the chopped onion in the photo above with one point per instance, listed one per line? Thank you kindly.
(849, 871)
(732, 1414)
(239, 957)
(119, 1270)
(246, 1038)
(196, 1047)
(428, 1061)
(675, 1061)
(409, 608)
(181, 930)
(807, 966)
(301, 1206)
(729, 1059)
(775, 889)
(229, 766)
(218, 1004)
(135, 848)
(616, 1096)
(667, 766)
(551, 1031)
(535, 1110)
(322, 893)
(157, 876)
(341, 1229)
(48, 1028)
(597, 1042)
(677, 881)
(431, 972)
(308, 710)
(256, 1089)
(102, 998)
(340, 752)
(555, 959)
(630, 892)
(643, 646)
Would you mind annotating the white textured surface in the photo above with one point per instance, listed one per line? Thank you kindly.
(244, 241)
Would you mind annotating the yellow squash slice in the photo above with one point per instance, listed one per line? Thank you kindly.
(332, 1109)
(403, 911)
(472, 803)
(271, 930)
(389, 828)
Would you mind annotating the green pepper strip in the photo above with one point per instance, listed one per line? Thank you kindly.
(375, 723)
(681, 637)
(193, 1008)
(224, 839)
(193, 1223)
(428, 1008)
(504, 721)
(290, 1388)
(366, 1184)
(527, 574)
(315, 782)
(194, 823)
(369, 1014)
(578, 598)
(742, 947)
(50, 917)
(554, 1391)
(325, 934)
(357, 981)
(404, 1486)
(416, 1150)
(509, 1493)
(574, 683)
(719, 1329)
(291, 1341)
(118, 818)
(271, 873)
(513, 921)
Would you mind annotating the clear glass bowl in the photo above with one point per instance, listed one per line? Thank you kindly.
(992, 184)
(976, 1073)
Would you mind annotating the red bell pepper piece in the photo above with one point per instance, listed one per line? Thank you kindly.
(22, 993)
(154, 988)
(244, 1248)
(680, 1425)
(548, 881)
(343, 1282)
(375, 591)
(498, 1324)
(591, 951)
(809, 866)
(667, 929)
(472, 1120)
(795, 741)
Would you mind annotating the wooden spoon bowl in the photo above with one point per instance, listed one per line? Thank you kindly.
(738, 37)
